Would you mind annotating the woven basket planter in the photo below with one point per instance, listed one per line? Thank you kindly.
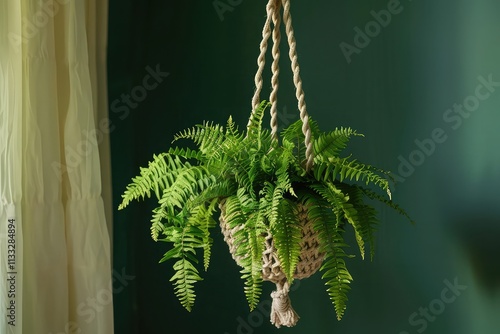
(310, 259)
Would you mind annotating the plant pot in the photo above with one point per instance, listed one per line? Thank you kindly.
(310, 260)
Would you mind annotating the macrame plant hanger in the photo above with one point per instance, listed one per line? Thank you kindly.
(310, 259)
(273, 9)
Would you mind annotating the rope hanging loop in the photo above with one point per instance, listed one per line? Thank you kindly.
(273, 10)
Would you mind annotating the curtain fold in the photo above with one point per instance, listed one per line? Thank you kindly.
(11, 149)
(50, 177)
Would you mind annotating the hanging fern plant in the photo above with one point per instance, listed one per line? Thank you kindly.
(262, 186)
(285, 201)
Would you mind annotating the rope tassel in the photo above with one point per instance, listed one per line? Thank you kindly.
(282, 312)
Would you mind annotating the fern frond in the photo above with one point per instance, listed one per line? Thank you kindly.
(285, 159)
(287, 234)
(254, 127)
(238, 208)
(335, 272)
(242, 211)
(186, 238)
(253, 287)
(232, 130)
(293, 133)
(208, 137)
(157, 226)
(332, 143)
(257, 153)
(243, 174)
(188, 182)
(367, 215)
(373, 195)
(217, 190)
(367, 219)
(250, 246)
(186, 153)
(183, 279)
(202, 217)
(151, 178)
(350, 169)
(339, 201)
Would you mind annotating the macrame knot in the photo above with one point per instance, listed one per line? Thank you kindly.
(282, 313)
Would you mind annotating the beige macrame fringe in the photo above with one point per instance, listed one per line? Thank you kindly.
(282, 312)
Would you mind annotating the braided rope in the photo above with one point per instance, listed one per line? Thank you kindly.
(299, 92)
(273, 9)
(273, 98)
(282, 312)
(261, 60)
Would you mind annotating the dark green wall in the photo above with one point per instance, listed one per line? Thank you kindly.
(395, 90)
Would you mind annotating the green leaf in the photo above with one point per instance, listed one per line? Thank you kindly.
(152, 178)
(183, 279)
(254, 128)
(332, 143)
(287, 235)
(340, 203)
(346, 168)
(372, 195)
(241, 211)
(173, 253)
(335, 273)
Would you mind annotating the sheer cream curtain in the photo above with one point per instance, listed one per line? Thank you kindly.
(55, 262)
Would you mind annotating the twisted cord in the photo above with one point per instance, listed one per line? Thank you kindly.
(282, 312)
(273, 13)
(261, 60)
(299, 93)
(273, 98)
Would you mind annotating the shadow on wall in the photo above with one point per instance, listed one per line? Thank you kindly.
(478, 234)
